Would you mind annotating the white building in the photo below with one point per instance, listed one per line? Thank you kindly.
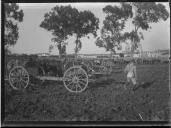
(43, 54)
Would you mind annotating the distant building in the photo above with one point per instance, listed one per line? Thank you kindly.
(155, 54)
(43, 54)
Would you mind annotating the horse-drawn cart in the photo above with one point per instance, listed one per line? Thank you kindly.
(75, 73)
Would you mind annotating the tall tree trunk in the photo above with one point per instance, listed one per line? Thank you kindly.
(111, 54)
(132, 47)
(60, 50)
(76, 47)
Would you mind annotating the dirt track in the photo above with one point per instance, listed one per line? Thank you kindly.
(104, 100)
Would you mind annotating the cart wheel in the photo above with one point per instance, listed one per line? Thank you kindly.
(75, 79)
(18, 78)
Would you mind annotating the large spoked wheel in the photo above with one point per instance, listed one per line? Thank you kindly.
(19, 78)
(75, 79)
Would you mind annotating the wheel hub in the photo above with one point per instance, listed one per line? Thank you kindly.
(20, 78)
(75, 79)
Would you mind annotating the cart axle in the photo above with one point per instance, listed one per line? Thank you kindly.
(52, 78)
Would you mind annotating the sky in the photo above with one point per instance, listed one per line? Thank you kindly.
(34, 39)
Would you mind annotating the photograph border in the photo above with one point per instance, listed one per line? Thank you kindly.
(64, 123)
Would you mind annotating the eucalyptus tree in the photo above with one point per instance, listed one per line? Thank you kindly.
(66, 21)
(13, 15)
(86, 23)
(112, 33)
(142, 14)
(145, 13)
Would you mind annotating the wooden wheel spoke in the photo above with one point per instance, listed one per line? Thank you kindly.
(15, 84)
(80, 71)
(23, 73)
(83, 80)
(24, 81)
(78, 85)
(14, 81)
(68, 79)
(82, 83)
(14, 73)
(25, 76)
(69, 74)
(14, 77)
(81, 76)
(76, 72)
(20, 72)
(22, 84)
(69, 84)
(18, 85)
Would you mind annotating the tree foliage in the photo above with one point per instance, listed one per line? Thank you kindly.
(13, 15)
(113, 25)
(66, 21)
(142, 15)
(145, 14)
(86, 24)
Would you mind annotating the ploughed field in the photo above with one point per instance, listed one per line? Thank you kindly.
(104, 100)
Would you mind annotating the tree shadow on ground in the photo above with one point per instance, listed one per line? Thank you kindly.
(101, 83)
(104, 83)
(144, 85)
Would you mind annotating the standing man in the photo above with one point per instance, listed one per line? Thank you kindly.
(130, 74)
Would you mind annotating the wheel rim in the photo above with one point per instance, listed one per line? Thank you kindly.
(18, 78)
(75, 79)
